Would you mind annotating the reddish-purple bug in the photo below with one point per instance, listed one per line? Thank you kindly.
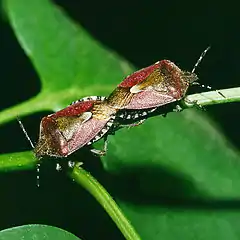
(152, 87)
(82, 123)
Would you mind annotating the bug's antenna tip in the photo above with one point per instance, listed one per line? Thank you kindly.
(208, 48)
(200, 58)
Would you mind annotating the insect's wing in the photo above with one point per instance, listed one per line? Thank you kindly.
(138, 76)
(149, 99)
(155, 79)
(89, 132)
(154, 91)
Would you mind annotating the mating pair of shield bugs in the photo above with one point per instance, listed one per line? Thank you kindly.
(89, 119)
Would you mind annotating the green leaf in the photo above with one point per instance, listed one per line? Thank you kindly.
(36, 232)
(174, 177)
(180, 177)
(69, 62)
(184, 222)
(183, 146)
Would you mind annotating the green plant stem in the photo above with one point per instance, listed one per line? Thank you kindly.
(17, 161)
(46, 102)
(213, 97)
(102, 196)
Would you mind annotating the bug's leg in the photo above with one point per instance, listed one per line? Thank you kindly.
(103, 151)
(137, 123)
(58, 167)
(178, 108)
(133, 124)
(71, 164)
(195, 104)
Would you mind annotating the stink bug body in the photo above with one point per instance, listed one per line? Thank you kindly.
(151, 88)
(82, 123)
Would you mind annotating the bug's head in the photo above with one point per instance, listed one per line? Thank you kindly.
(194, 82)
(51, 141)
(189, 77)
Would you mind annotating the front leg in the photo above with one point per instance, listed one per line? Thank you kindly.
(133, 124)
(102, 152)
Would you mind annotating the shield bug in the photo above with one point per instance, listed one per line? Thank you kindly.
(82, 123)
(151, 88)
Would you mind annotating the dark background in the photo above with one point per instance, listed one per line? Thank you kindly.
(143, 32)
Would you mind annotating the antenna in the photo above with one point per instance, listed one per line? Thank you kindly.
(25, 132)
(200, 59)
(196, 65)
(31, 143)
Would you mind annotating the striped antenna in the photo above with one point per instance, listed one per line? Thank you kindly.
(196, 65)
(200, 59)
(32, 145)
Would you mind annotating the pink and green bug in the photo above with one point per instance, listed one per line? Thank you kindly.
(80, 124)
(153, 87)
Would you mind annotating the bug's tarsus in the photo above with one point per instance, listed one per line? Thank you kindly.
(71, 164)
(58, 167)
(200, 59)
(177, 108)
(32, 145)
